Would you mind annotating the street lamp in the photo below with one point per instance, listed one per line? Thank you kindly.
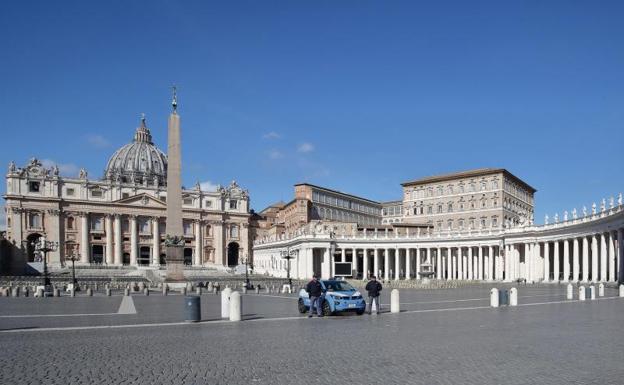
(73, 257)
(248, 285)
(43, 246)
(288, 255)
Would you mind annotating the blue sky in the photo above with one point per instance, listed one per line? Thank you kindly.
(357, 96)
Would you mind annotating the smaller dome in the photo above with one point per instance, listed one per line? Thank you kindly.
(138, 162)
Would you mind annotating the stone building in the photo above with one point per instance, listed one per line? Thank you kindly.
(120, 219)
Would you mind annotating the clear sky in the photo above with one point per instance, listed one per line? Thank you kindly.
(357, 96)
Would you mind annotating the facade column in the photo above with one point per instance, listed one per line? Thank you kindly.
(376, 263)
(397, 264)
(84, 238)
(386, 264)
(354, 259)
(556, 262)
(546, 261)
(566, 260)
(490, 264)
(460, 259)
(603, 257)
(155, 241)
(365, 274)
(134, 240)
(611, 256)
(575, 259)
(585, 259)
(439, 263)
(470, 270)
(449, 263)
(198, 246)
(528, 265)
(594, 257)
(118, 240)
(497, 266)
(417, 251)
(109, 239)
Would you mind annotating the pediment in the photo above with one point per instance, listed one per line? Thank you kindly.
(143, 200)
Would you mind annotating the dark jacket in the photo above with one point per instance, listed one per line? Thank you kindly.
(373, 288)
(314, 288)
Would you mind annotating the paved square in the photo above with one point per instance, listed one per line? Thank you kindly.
(441, 337)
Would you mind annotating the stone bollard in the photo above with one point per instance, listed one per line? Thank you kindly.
(601, 290)
(165, 289)
(56, 292)
(513, 297)
(126, 292)
(225, 302)
(581, 293)
(146, 291)
(15, 292)
(72, 292)
(395, 304)
(236, 302)
(592, 292)
(494, 297)
(244, 290)
(198, 290)
(40, 292)
(108, 291)
(621, 291)
(89, 292)
(570, 291)
(258, 289)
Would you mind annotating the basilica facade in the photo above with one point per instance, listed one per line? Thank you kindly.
(119, 219)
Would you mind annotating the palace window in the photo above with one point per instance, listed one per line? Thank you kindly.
(188, 228)
(472, 223)
(144, 226)
(125, 226)
(449, 208)
(34, 220)
(461, 224)
(450, 189)
(96, 193)
(483, 203)
(461, 188)
(483, 186)
(461, 207)
(208, 203)
(97, 223)
(188, 201)
(70, 223)
(494, 184)
(233, 204)
(449, 224)
(33, 186)
(234, 231)
(482, 222)
(430, 210)
(124, 195)
(439, 209)
(494, 222)
(70, 192)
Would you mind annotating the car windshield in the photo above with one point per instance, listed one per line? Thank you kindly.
(337, 286)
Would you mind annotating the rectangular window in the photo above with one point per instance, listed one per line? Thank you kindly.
(494, 222)
(188, 228)
(35, 221)
(70, 192)
(33, 187)
(188, 201)
(233, 204)
(97, 223)
(208, 203)
(96, 193)
(124, 195)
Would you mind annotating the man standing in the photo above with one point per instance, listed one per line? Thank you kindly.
(373, 287)
(315, 292)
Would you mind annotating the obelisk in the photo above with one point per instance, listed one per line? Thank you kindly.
(174, 240)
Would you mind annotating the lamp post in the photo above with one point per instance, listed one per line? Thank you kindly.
(288, 255)
(248, 285)
(73, 258)
(43, 246)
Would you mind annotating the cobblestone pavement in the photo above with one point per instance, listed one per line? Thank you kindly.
(553, 343)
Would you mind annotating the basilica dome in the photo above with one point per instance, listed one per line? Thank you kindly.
(138, 162)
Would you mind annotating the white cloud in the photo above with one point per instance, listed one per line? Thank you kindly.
(208, 186)
(305, 148)
(275, 154)
(271, 135)
(66, 169)
(98, 141)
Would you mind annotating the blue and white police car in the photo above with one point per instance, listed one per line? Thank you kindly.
(338, 296)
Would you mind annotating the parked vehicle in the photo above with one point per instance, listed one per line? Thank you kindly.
(338, 296)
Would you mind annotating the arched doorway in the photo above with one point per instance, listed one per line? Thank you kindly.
(188, 256)
(126, 259)
(232, 255)
(33, 239)
(144, 256)
(97, 254)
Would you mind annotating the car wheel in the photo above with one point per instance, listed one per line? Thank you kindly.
(359, 312)
(326, 308)
(302, 307)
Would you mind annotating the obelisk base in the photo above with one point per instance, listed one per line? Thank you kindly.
(175, 264)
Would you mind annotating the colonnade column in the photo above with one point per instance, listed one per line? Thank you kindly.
(376, 263)
(611, 256)
(575, 259)
(585, 259)
(470, 270)
(603, 257)
(397, 264)
(134, 241)
(528, 259)
(354, 265)
(197, 255)
(458, 263)
(439, 263)
(490, 264)
(480, 264)
(449, 263)
(386, 264)
(620, 258)
(109, 239)
(556, 274)
(546, 261)
(417, 262)
(594, 255)
(566, 260)
(497, 267)
(155, 242)
(84, 238)
(365, 263)
(118, 240)
(408, 263)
